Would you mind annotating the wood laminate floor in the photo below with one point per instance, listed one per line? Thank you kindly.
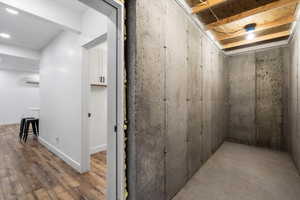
(29, 171)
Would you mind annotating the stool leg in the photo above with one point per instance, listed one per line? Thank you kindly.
(33, 124)
(26, 131)
(22, 128)
(37, 127)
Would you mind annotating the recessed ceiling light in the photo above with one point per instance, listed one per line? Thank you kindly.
(250, 36)
(5, 35)
(12, 11)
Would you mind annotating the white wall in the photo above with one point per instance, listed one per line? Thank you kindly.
(94, 24)
(61, 90)
(98, 125)
(98, 108)
(16, 96)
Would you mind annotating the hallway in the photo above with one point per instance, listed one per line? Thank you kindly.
(238, 172)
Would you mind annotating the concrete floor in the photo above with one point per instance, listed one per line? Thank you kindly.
(240, 172)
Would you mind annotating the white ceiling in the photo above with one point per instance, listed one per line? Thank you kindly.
(26, 31)
(74, 5)
(18, 63)
(30, 32)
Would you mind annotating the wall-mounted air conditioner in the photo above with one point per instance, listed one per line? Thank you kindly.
(31, 81)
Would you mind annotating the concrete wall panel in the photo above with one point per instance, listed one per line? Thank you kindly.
(213, 101)
(256, 97)
(293, 100)
(285, 101)
(207, 105)
(176, 101)
(194, 99)
(269, 108)
(149, 105)
(242, 98)
(293, 93)
(296, 135)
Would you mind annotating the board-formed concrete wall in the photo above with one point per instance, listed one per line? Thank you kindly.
(242, 98)
(293, 140)
(177, 99)
(269, 98)
(257, 82)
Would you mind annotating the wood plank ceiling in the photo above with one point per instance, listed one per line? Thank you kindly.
(226, 20)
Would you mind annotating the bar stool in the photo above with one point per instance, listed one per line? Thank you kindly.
(22, 126)
(30, 117)
(35, 127)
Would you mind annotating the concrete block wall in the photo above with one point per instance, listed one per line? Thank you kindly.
(256, 97)
(177, 99)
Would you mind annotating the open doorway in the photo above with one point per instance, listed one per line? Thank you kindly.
(104, 86)
(95, 57)
(51, 38)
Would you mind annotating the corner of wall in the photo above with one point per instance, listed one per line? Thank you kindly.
(74, 164)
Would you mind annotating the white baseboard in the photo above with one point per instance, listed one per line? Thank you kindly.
(74, 164)
(97, 149)
(9, 124)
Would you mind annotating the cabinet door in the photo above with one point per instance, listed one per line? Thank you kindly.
(96, 66)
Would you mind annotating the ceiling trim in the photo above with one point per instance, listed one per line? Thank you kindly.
(295, 24)
(11, 68)
(19, 52)
(257, 39)
(257, 48)
(261, 47)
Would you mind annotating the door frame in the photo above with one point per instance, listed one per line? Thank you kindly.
(114, 10)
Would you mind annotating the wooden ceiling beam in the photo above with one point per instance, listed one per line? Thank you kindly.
(257, 39)
(260, 27)
(205, 5)
(270, 6)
